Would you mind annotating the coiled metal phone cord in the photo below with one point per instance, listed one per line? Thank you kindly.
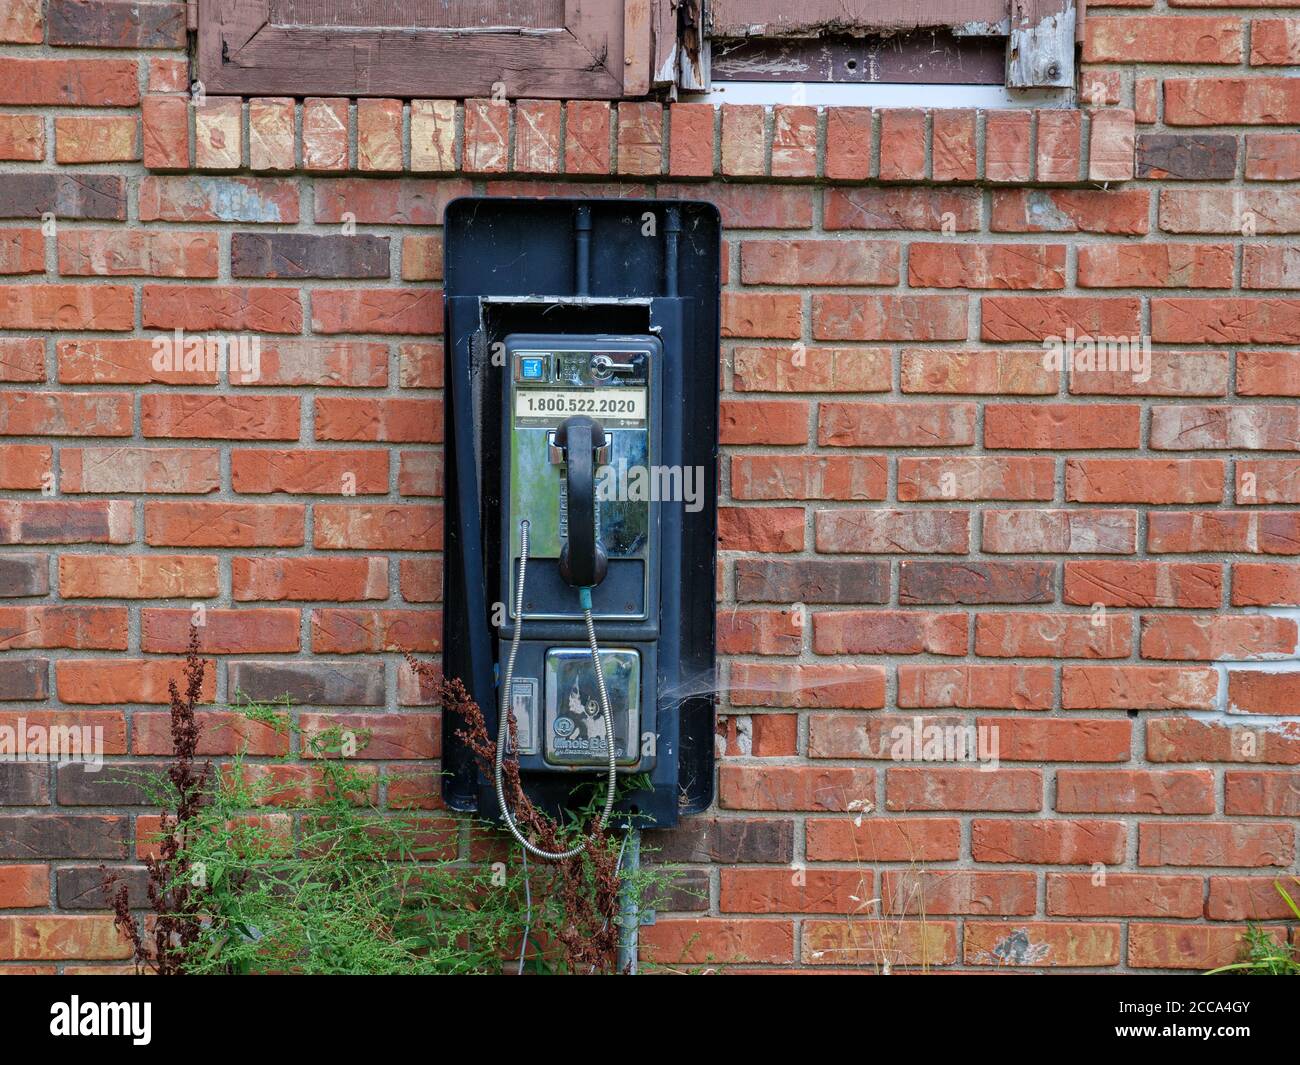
(503, 715)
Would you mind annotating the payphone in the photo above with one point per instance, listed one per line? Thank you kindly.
(582, 361)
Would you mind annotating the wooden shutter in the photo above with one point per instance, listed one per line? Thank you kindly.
(595, 49)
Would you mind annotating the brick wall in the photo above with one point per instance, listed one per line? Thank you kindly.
(920, 520)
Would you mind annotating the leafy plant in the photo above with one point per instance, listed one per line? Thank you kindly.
(291, 865)
(1263, 954)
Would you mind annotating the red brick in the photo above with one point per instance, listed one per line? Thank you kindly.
(812, 685)
(1210, 101)
(976, 477)
(1022, 739)
(752, 314)
(1267, 321)
(22, 137)
(883, 839)
(379, 135)
(310, 579)
(1181, 739)
(1057, 842)
(56, 308)
(1123, 895)
(819, 262)
(1248, 211)
(742, 140)
(640, 138)
(1053, 635)
(1275, 694)
(388, 736)
(194, 198)
(1103, 532)
(1062, 425)
(387, 420)
(950, 370)
(325, 134)
(1043, 317)
(121, 470)
(1156, 266)
(1164, 373)
(221, 632)
(755, 206)
(902, 317)
(396, 201)
(804, 891)
(957, 891)
(1118, 211)
(198, 416)
(858, 531)
(902, 145)
(953, 149)
(150, 253)
(711, 940)
(487, 136)
(1272, 156)
(24, 886)
(775, 529)
(153, 576)
(96, 138)
(1141, 791)
(402, 527)
(141, 680)
(586, 137)
(882, 207)
(220, 732)
(271, 133)
(125, 361)
(57, 522)
(359, 631)
(1270, 267)
(433, 136)
(1059, 153)
(1144, 584)
(60, 936)
(848, 144)
(1272, 533)
(1215, 843)
(83, 627)
(793, 787)
(218, 133)
(1265, 584)
(886, 945)
(1261, 794)
(315, 472)
(691, 147)
(166, 131)
(22, 251)
(1008, 143)
(1245, 898)
(228, 308)
(807, 477)
(412, 311)
(794, 141)
(1144, 480)
(845, 424)
(1183, 946)
(20, 22)
(1171, 39)
(26, 466)
(1138, 688)
(1220, 637)
(64, 414)
(888, 632)
(760, 632)
(69, 82)
(961, 788)
(810, 369)
(224, 524)
(976, 686)
(1110, 145)
(1015, 266)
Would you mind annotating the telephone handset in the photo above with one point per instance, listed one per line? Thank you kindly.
(583, 562)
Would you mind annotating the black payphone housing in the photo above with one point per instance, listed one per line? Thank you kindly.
(582, 386)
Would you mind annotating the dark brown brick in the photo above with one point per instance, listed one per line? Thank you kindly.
(110, 784)
(115, 24)
(81, 887)
(24, 679)
(688, 891)
(24, 575)
(308, 255)
(975, 582)
(313, 683)
(760, 580)
(1191, 157)
(24, 784)
(725, 841)
(28, 836)
(66, 196)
